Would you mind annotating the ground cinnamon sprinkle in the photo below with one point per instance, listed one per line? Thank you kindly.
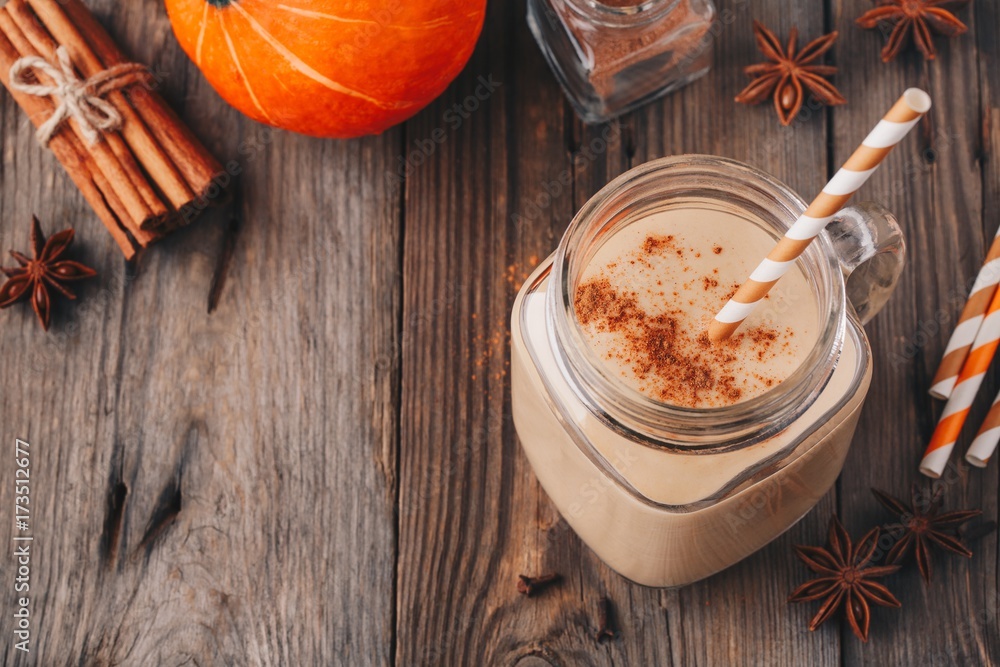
(655, 244)
(673, 363)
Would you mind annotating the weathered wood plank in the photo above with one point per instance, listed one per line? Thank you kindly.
(738, 617)
(214, 489)
(933, 182)
(454, 414)
(455, 471)
(984, 619)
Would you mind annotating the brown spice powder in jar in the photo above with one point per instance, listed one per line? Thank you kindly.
(630, 39)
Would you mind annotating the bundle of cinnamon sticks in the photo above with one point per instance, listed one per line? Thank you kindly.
(144, 180)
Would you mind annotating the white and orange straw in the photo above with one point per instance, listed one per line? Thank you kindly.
(956, 411)
(985, 442)
(900, 119)
(957, 350)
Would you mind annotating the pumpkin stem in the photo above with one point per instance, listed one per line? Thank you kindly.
(220, 3)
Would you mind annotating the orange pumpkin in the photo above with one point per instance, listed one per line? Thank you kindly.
(329, 68)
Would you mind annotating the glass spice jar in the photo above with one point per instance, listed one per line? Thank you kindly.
(611, 56)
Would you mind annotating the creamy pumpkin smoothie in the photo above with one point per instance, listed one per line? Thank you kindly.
(673, 457)
(648, 294)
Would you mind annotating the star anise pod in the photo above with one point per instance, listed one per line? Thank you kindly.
(789, 73)
(921, 18)
(845, 579)
(922, 525)
(34, 278)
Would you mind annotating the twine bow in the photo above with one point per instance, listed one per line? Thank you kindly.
(81, 99)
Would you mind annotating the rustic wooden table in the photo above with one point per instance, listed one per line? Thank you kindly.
(323, 469)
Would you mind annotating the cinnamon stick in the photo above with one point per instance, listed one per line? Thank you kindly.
(126, 186)
(143, 237)
(159, 167)
(67, 149)
(45, 45)
(135, 206)
(138, 206)
(192, 159)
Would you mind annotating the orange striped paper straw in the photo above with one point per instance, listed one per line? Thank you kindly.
(969, 322)
(985, 442)
(900, 119)
(956, 410)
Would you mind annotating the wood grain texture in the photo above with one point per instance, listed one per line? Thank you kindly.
(214, 489)
(454, 476)
(476, 558)
(743, 610)
(982, 625)
(934, 182)
(324, 471)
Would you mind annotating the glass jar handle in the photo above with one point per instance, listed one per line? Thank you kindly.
(871, 249)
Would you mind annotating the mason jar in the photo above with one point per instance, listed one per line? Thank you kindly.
(665, 494)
